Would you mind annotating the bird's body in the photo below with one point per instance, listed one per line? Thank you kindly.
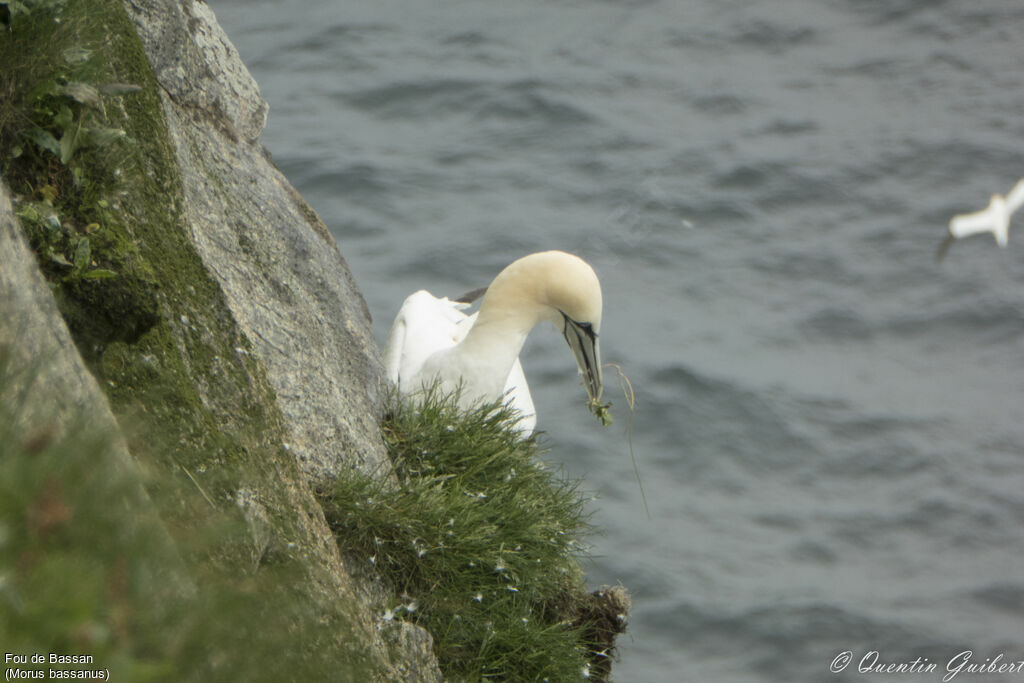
(995, 218)
(427, 325)
(433, 340)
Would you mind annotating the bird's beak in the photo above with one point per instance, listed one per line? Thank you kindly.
(583, 341)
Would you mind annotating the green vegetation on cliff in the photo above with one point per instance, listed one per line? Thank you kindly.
(479, 541)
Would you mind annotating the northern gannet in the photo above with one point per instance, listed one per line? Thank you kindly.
(995, 218)
(433, 340)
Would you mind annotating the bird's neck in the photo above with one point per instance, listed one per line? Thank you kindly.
(498, 335)
(492, 345)
(511, 307)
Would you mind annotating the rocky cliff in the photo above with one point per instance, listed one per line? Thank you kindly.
(196, 313)
(188, 381)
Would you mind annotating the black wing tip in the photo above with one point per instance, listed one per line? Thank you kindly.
(471, 296)
(944, 248)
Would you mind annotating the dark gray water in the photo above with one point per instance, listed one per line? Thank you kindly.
(829, 423)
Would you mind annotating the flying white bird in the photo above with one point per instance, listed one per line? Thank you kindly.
(433, 340)
(994, 219)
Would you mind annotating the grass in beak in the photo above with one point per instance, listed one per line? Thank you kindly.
(627, 391)
(601, 410)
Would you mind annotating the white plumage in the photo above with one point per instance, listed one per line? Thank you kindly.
(995, 218)
(434, 340)
(426, 325)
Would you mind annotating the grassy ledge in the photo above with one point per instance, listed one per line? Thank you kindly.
(480, 542)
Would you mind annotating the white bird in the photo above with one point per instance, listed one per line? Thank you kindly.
(433, 340)
(994, 219)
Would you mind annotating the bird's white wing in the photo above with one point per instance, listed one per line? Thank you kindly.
(972, 223)
(424, 325)
(518, 392)
(463, 326)
(1015, 198)
(393, 350)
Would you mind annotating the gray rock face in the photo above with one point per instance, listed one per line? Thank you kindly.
(286, 283)
(198, 66)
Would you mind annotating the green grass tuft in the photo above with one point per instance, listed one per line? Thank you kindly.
(478, 538)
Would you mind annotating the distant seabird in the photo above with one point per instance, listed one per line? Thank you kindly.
(433, 340)
(994, 219)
